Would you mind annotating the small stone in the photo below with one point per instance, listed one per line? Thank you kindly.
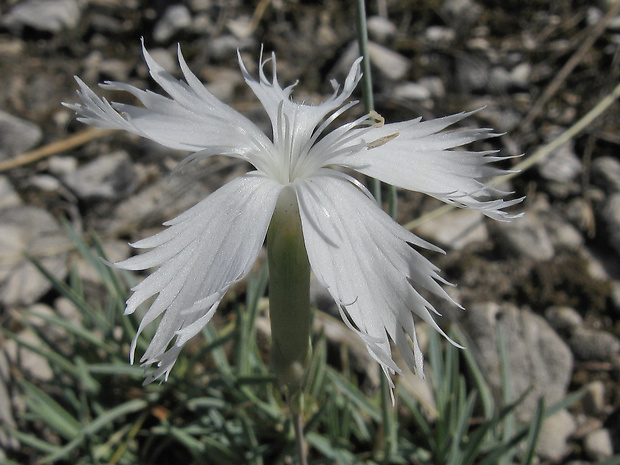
(606, 174)
(33, 230)
(520, 75)
(62, 166)
(175, 19)
(598, 444)
(439, 35)
(16, 135)
(241, 27)
(594, 345)
(51, 16)
(381, 29)
(563, 235)
(461, 14)
(561, 165)
(594, 398)
(563, 319)
(390, 64)
(554, 434)
(500, 81)
(455, 230)
(20, 357)
(527, 237)
(434, 85)
(109, 177)
(8, 195)
(471, 72)
(411, 91)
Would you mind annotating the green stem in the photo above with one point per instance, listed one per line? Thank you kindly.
(367, 95)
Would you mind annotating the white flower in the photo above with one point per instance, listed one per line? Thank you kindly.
(361, 255)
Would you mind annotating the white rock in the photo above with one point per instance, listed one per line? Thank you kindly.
(108, 177)
(554, 434)
(8, 195)
(26, 360)
(411, 91)
(381, 29)
(526, 236)
(594, 398)
(33, 230)
(455, 229)
(563, 319)
(598, 444)
(175, 18)
(44, 15)
(16, 135)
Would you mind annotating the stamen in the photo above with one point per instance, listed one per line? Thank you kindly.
(382, 141)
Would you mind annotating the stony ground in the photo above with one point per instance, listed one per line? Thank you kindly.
(551, 280)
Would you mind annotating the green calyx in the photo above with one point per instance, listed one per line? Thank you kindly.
(289, 293)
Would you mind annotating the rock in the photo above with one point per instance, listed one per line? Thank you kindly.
(538, 358)
(554, 434)
(434, 85)
(563, 319)
(8, 195)
(594, 398)
(598, 444)
(594, 345)
(51, 16)
(610, 215)
(606, 174)
(500, 81)
(561, 165)
(563, 235)
(388, 63)
(520, 75)
(380, 29)
(439, 36)
(461, 14)
(175, 18)
(109, 177)
(411, 91)
(456, 229)
(25, 360)
(526, 237)
(32, 230)
(16, 135)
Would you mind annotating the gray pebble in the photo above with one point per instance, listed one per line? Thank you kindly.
(175, 19)
(16, 135)
(51, 16)
(109, 177)
(594, 345)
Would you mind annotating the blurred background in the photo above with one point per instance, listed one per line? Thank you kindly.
(542, 293)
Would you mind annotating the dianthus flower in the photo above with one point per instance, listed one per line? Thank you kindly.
(364, 259)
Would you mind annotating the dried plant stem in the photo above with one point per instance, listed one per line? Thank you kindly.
(54, 148)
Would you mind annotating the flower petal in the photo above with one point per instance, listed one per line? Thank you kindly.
(367, 263)
(192, 120)
(202, 253)
(414, 156)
